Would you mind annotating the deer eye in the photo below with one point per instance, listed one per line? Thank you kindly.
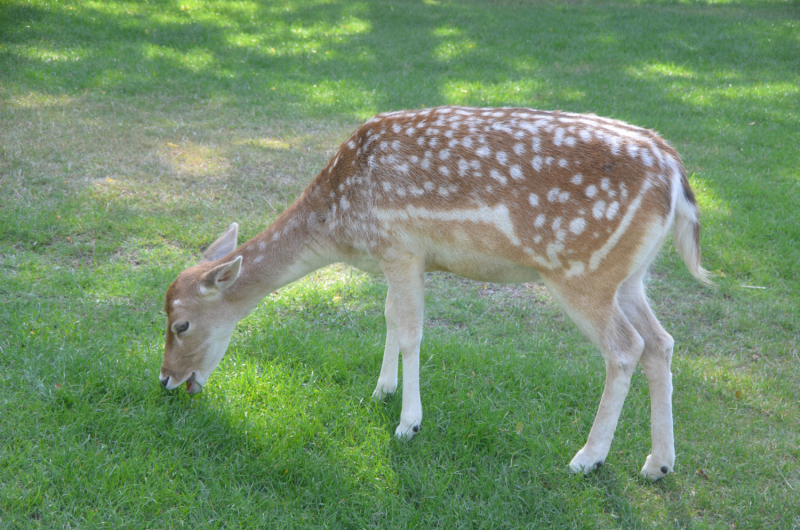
(180, 328)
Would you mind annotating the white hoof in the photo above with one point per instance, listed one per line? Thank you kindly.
(383, 390)
(407, 430)
(586, 461)
(654, 469)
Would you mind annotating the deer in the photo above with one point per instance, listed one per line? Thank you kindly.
(578, 202)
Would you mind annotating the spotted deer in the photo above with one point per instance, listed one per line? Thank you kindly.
(580, 202)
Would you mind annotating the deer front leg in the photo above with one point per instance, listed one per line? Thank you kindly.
(406, 280)
(387, 380)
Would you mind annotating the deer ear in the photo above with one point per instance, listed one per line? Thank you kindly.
(222, 276)
(222, 246)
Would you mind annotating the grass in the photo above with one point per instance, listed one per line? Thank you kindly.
(133, 133)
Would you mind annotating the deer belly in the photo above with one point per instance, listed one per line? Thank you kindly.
(478, 266)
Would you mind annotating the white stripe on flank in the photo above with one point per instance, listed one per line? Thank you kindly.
(603, 251)
(498, 217)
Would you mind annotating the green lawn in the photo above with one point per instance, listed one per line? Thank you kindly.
(131, 135)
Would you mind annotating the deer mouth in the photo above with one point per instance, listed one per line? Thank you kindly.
(192, 386)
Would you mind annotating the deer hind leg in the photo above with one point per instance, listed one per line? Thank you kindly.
(404, 314)
(621, 346)
(387, 380)
(656, 359)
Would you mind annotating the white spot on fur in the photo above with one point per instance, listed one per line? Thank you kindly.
(576, 268)
(540, 221)
(577, 225)
(516, 172)
(463, 166)
(533, 199)
(612, 210)
(591, 190)
(577, 179)
(598, 209)
(498, 176)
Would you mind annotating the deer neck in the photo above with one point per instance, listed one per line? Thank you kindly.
(292, 247)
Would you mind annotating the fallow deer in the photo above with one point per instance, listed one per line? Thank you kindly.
(580, 202)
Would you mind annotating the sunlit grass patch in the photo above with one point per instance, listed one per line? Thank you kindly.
(194, 159)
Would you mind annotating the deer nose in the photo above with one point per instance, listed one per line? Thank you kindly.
(164, 381)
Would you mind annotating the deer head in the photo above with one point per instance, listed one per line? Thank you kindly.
(200, 319)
